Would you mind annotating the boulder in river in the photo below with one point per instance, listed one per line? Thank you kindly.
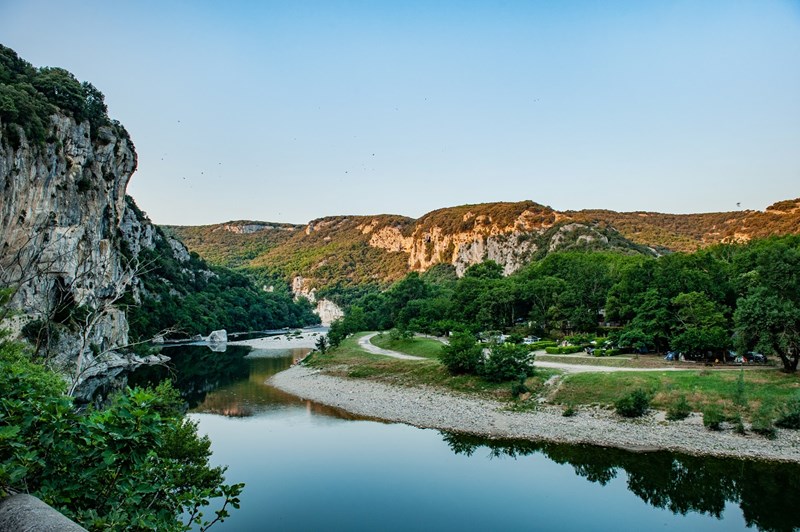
(218, 337)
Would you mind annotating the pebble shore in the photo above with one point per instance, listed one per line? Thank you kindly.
(438, 409)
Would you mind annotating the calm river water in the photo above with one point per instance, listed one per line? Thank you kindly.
(310, 467)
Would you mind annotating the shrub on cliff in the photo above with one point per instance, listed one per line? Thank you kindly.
(28, 96)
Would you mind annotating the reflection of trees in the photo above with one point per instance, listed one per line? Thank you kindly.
(195, 370)
(764, 491)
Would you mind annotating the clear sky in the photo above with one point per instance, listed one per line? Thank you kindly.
(292, 110)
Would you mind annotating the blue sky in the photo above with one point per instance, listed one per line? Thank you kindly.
(288, 111)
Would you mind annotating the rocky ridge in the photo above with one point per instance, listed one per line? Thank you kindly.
(353, 250)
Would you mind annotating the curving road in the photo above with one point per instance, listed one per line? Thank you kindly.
(366, 344)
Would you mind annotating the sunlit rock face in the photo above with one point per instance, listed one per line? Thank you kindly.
(463, 236)
(327, 310)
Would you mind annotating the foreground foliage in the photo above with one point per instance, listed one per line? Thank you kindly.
(136, 464)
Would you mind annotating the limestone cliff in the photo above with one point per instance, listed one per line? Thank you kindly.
(337, 252)
(70, 242)
(60, 215)
(466, 235)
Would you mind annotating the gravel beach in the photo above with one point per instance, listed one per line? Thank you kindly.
(438, 409)
(283, 341)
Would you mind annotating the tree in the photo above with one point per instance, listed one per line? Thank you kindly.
(767, 316)
(508, 362)
(701, 326)
(769, 323)
(488, 269)
(321, 344)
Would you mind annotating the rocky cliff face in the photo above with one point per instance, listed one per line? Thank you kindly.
(64, 223)
(60, 214)
(504, 236)
(327, 310)
(353, 250)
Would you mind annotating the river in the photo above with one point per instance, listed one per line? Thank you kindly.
(310, 467)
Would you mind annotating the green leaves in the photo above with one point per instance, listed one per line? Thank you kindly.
(135, 464)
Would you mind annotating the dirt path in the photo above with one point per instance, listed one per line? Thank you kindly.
(366, 344)
(586, 368)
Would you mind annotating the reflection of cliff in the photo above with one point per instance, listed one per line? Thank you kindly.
(249, 394)
(765, 492)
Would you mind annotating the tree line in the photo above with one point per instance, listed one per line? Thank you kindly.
(29, 96)
(730, 297)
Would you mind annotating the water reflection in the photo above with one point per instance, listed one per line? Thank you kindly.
(765, 492)
(230, 383)
(222, 387)
(195, 370)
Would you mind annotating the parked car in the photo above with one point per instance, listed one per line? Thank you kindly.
(751, 357)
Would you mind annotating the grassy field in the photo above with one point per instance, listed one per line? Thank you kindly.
(701, 388)
(349, 360)
(417, 346)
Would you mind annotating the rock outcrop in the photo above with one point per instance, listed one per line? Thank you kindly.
(218, 337)
(327, 310)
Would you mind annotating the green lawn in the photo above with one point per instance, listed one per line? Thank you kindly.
(701, 388)
(417, 346)
(349, 360)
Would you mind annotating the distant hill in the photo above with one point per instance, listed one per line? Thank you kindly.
(354, 250)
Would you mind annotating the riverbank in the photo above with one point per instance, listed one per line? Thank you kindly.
(435, 408)
(283, 341)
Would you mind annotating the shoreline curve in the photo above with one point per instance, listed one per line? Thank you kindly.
(426, 407)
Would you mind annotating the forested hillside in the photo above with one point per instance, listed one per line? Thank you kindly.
(348, 251)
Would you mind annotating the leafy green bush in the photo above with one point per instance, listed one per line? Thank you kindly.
(507, 362)
(605, 352)
(763, 422)
(569, 411)
(136, 464)
(679, 409)
(542, 344)
(713, 417)
(463, 355)
(789, 416)
(635, 404)
(580, 339)
(518, 388)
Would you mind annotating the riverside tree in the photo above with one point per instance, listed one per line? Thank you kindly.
(767, 317)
